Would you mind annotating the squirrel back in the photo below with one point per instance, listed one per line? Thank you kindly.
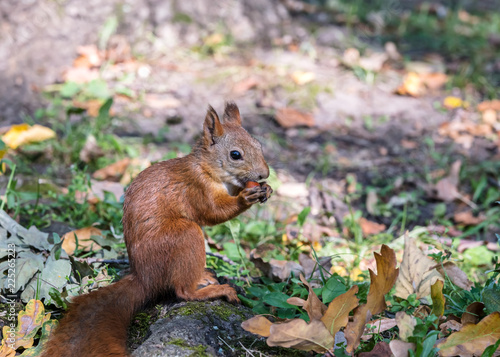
(164, 209)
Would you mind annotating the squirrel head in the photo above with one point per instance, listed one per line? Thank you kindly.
(235, 157)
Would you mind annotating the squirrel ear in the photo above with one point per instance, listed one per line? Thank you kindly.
(232, 113)
(212, 127)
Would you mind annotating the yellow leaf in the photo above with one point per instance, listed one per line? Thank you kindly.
(28, 323)
(300, 335)
(337, 314)
(472, 340)
(454, 102)
(5, 350)
(301, 77)
(437, 297)
(23, 134)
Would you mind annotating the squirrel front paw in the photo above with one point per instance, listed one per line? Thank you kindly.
(267, 190)
(250, 196)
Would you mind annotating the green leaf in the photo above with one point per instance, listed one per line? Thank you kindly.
(479, 255)
(70, 89)
(490, 350)
(491, 299)
(333, 288)
(303, 215)
(278, 300)
(97, 88)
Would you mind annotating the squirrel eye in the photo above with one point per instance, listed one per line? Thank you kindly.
(235, 155)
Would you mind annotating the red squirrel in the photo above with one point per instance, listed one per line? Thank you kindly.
(164, 209)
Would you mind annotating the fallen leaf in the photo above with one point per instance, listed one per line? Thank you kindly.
(472, 339)
(22, 134)
(80, 74)
(450, 325)
(408, 144)
(400, 348)
(412, 85)
(453, 102)
(5, 350)
(47, 328)
(303, 77)
(381, 284)
(28, 322)
(489, 117)
(84, 240)
(446, 188)
(417, 272)
(370, 227)
(473, 313)
(113, 171)
(338, 311)
(245, 85)
(258, 325)
(378, 326)
(289, 118)
(468, 218)
(406, 324)
(434, 80)
(438, 299)
(313, 305)
(99, 187)
(455, 274)
(159, 101)
(489, 105)
(300, 335)
(381, 349)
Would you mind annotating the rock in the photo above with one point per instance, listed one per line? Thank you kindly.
(207, 328)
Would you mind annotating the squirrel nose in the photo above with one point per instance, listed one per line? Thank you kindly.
(264, 173)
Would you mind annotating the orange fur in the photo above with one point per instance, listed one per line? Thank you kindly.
(164, 209)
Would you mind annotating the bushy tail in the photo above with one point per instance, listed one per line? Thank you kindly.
(96, 323)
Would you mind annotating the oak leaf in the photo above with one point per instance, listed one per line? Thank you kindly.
(472, 340)
(313, 305)
(300, 335)
(381, 284)
(337, 314)
(417, 272)
(28, 323)
(5, 350)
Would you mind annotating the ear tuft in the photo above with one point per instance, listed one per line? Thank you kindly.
(232, 113)
(212, 127)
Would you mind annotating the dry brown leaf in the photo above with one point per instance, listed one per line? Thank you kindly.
(468, 218)
(338, 311)
(84, 241)
(370, 227)
(112, 172)
(472, 339)
(300, 335)
(456, 275)
(406, 324)
(447, 188)
(434, 80)
(258, 325)
(80, 74)
(378, 326)
(417, 272)
(245, 85)
(438, 300)
(381, 284)
(400, 348)
(313, 305)
(289, 118)
(408, 144)
(450, 325)
(489, 104)
(381, 349)
(473, 313)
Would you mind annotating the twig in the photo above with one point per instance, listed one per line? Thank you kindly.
(221, 257)
(106, 261)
